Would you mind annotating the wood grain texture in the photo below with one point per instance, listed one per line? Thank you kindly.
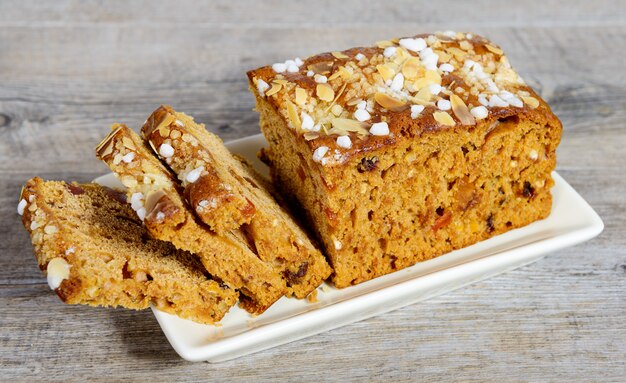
(69, 69)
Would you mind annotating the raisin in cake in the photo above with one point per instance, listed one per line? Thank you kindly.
(223, 192)
(406, 150)
(95, 251)
(154, 194)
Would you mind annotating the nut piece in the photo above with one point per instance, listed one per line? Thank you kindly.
(444, 118)
(58, 270)
(461, 110)
(531, 102)
(325, 92)
(301, 96)
(388, 102)
(293, 115)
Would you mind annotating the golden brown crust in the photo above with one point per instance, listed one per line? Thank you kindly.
(106, 257)
(364, 80)
(156, 197)
(273, 234)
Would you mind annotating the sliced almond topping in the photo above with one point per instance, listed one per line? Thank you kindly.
(274, 89)
(433, 77)
(310, 135)
(293, 115)
(341, 72)
(424, 95)
(465, 45)
(384, 44)
(281, 82)
(493, 49)
(461, 110)
(531, 101)
(388, 102)
(411, 67)
(128, 143)
(339, 55)
(444, 57)
(444, 118)
(325, 92)
(458, 53)
(301, 96)
(343, 125)
(386, 71)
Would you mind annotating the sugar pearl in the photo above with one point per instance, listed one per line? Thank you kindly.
(446, 67)
(444, 105)
(479, 112)
(415, 45)
(398, 82)
(262, 86)
(307, 121)
(416, 110)
(389, 51)
(362, 115)
(319, 153)
(279, 67)
(344, 142)
(193, 175)
(21, 206)
(379, 129)
(166, 150)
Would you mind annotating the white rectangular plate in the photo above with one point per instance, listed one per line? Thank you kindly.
(572, 221)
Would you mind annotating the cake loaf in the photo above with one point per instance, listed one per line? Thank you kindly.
(408, 149)
(95, 251)
(225, 192)
(154, 194)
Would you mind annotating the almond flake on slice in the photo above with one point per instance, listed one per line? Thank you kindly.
(444, 118)
(325, 92)
(301, 96)
(310, 135)
(424, 94)
(384, 44)
(531, 101)
(411, 67)
(465, 45)
(344, 125)
(293, 115)
(274, 89)
(388, 102)
(433, 77)
(461, 110)
(339, 55)
(493, 49)
(386, 71)
(128, 143)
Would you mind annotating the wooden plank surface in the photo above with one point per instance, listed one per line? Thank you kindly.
(69, 69)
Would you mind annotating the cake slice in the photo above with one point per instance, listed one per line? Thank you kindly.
(222, 189)
(154, 194)
(95, 251)
(407, 149)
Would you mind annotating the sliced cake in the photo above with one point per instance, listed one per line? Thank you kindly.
(221, 189)
(95, 251)
(154, 194)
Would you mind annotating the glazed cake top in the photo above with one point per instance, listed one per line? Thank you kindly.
(343, 103)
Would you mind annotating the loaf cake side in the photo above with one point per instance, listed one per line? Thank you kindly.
(154, 194)
(407, 150)
(95, 251)
(214, 181)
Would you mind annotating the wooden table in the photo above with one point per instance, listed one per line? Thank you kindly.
(69, 69)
